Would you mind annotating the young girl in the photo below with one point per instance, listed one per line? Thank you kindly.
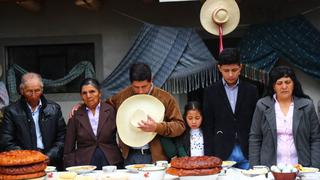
(190, 143)
(192, 138)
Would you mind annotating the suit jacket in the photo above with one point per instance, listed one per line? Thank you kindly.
(81, 142)
(305, 127)
(221, 125)
(18, 129)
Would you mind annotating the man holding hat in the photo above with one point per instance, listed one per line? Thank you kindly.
(172, 125)
(228, 109)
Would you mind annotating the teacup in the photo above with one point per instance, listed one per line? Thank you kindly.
(109, 169)
(162, 164)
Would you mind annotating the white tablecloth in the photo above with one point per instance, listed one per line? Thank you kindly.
(231, 174)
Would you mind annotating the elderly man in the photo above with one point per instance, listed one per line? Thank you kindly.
(33, 122)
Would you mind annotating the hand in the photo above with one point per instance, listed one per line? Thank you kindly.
(148, 125)
(74, 109)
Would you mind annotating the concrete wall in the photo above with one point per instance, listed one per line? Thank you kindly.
(114, 28)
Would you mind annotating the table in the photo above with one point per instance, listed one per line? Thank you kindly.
(231, 174)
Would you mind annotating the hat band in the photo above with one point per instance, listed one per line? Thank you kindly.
(220, 16)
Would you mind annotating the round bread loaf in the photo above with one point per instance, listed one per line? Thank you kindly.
(21, 157)
(192, 172)
(22, 176)
(196, 162)
(25, 169)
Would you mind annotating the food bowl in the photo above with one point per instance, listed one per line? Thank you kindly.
(152, 173)
(284, 176)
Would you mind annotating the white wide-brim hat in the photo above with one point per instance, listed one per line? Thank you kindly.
(219, 12)
(133, 110)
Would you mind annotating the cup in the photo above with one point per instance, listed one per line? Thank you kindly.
(162, 164)
(109, 169)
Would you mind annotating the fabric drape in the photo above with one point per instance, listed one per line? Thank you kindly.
(295, 40)
(179, 60)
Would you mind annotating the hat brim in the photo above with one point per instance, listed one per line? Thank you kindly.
(129, 134)
(206, 16)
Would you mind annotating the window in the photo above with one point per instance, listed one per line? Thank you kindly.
(52, 62)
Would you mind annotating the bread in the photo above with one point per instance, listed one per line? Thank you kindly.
(25, 169)
(195, 166)
(196, 162)
(22, 176)
(22, 164)
(21, 157)
(192, 172)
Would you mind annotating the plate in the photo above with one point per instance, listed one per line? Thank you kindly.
(255, 172)
(136, 167)
(207, 177)
(308, 170)
(39, 178)
(227, 164)
(81, 169)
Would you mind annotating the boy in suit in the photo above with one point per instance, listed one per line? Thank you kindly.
(228, 108)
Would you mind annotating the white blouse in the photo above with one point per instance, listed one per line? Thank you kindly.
(196, 142)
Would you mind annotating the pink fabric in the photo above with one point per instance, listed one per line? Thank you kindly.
(286, 150)
(94, 119)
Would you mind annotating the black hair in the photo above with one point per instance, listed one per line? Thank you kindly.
(90, 81)
(229, 56)
(140, 72)
(192, 105)
(285, 71)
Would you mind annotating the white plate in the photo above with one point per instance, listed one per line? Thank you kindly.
(227, 164)
(309, 170)
(207, 177)
(81, 169)
(136, 167)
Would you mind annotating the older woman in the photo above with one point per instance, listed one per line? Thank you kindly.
(91, 132)
(285, 127)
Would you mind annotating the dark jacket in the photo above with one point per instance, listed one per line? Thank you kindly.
(18, 129)
(81, 142)
(305, 129)
(221, 125)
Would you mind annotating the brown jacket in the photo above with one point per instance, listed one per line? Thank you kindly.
(172, 126)
(80, 135)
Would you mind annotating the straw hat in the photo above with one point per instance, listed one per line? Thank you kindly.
(133, 110)
(219, 12)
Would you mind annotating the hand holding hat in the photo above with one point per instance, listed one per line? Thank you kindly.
(215, 13)
(149, 125)
(133, 123)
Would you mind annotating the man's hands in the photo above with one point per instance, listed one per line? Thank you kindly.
(74, 109)
(148, 125)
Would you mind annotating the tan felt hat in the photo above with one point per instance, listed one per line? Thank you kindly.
(220, 12)
(133, 110)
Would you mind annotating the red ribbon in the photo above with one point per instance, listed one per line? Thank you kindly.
(220, 39)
